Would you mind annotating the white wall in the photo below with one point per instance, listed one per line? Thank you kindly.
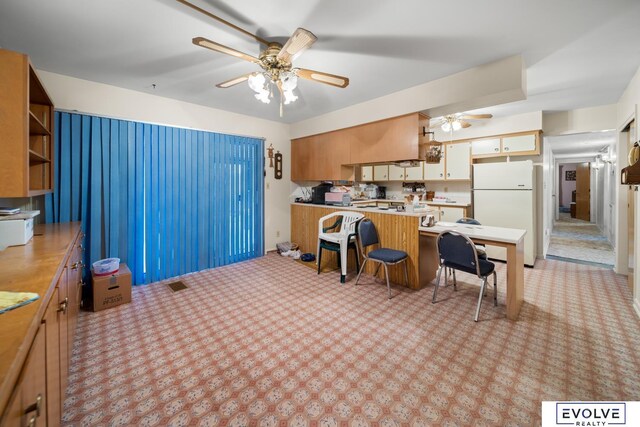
(69, 93)
(583, 120)
(627, 109)
(548, 196)
(490, 84)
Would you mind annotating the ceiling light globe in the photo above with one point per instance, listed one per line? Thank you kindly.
(446, 126)
(456, 125)
(256, 82)
(289, 97)
(263, 96)
(289, 80)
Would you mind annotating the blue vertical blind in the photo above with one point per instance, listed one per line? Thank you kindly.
(166, 201)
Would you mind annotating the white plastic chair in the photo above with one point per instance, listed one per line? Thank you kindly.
(346, 235)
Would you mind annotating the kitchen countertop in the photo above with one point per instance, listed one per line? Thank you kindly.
(377, 210)
(452, 204)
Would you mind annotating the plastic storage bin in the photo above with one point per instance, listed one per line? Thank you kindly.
(106, 266)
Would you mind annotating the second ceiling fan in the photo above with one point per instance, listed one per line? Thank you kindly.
(275, 60)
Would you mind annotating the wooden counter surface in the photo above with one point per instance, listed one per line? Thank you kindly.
(34, 267)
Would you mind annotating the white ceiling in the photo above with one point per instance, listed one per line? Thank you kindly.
(579, 53)
(580, 145)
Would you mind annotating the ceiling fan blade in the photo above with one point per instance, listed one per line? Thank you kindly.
(235, 81)
(475, 116)
(464, 124)
(217, 18)
(326, 78)
(300, 41)
(206, 43)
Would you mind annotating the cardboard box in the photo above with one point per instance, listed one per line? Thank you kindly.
(111, 290)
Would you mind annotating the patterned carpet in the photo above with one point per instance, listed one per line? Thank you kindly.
(576, 239)
(268, 342)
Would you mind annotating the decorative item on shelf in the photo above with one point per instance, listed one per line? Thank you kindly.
(631, 174)
(270, 155)
(432, 149)
(278, 167)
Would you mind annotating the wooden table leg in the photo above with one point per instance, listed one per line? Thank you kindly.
(515, 279)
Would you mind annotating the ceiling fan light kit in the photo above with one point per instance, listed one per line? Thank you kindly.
(275, 61)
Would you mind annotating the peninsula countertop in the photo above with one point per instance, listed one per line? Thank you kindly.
(360, 207)
(497, 234)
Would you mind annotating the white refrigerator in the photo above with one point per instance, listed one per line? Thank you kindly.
(503, 196)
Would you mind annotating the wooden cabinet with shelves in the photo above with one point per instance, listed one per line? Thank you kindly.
(26, 129)
(37, 338)
(455, 164)
(516, 144)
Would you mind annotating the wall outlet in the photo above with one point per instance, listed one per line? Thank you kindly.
(277, 233)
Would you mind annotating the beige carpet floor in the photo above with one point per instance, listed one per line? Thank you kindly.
(269, 342)
(581, 240)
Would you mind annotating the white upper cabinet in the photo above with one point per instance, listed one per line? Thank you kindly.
(366, 173)
(485, 146)
(381, 173)
(458, 164)
(414, 173)
(521, 143)
(435, 171)
(396, 173)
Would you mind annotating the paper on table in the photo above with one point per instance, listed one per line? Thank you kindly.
(11, 300)
(447, 224)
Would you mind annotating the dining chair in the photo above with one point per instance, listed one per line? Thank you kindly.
(339, 237)
(368, 236)
(458, 252)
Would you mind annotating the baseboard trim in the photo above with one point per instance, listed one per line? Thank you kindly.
(636, 306)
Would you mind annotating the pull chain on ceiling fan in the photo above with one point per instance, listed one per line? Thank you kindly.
(276, 63)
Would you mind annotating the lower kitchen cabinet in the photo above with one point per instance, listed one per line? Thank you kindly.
(28, 403)
(451, 213)
(36, 396)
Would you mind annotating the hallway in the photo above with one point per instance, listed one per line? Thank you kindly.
(574, 239)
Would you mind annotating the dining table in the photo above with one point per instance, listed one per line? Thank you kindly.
(512, 239)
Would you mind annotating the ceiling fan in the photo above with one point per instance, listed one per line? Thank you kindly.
(276, 62)
(457, 121)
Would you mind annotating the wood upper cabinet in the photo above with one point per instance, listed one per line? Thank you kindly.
(330, 156)
(366, 173)
(381, 173)
(396, 173)
(387, 140)
(26, 129)
(320, 157)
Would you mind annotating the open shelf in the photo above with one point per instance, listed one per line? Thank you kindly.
(36, 127)
(35, 158)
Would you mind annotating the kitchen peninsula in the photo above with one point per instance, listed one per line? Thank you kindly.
(397, 230)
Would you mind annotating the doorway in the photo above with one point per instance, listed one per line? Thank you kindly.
(582, 220)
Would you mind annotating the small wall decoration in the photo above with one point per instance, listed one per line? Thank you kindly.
(270, 155)
(278, 170)
(570, 176)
